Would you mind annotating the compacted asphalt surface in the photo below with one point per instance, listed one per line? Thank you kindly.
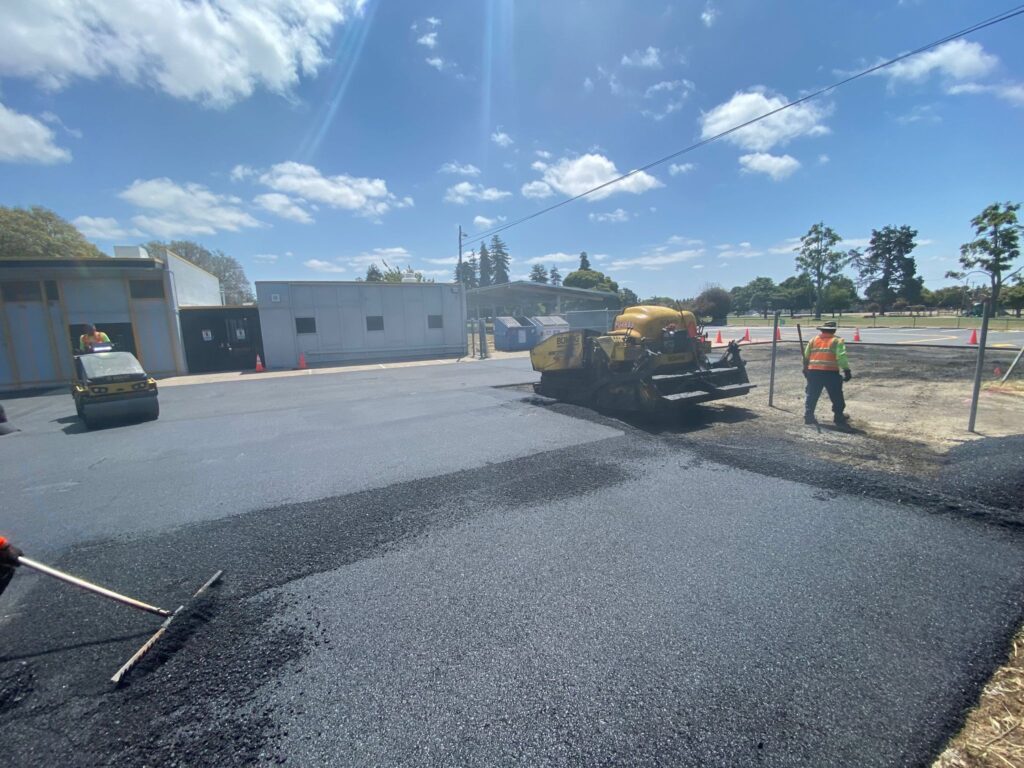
(427, 566)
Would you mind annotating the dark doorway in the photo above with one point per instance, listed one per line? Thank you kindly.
(221, 338)
(120, 335)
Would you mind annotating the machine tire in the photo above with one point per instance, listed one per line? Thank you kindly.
(78, 408)
(90, 421)
(154, 412)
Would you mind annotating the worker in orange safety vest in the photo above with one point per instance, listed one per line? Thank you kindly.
(824, 358)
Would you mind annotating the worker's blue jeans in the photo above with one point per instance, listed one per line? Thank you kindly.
(831, 381)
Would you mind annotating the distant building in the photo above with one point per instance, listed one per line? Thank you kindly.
(134, 298)
(334, 322)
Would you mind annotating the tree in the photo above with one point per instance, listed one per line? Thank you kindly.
(951, 297)
(373, 274)
(466, 272)
(499, 261)
(886, 269)
(714, 302)
(398, 275)
(584, 261)
(840, 294)
(486, 268)
(555, 276)
(818, 259)
(627, 298)
(591, 280)
(794, 293)
(39, 233)
(233, 283)
(538, 274)
(1013, 298)
(753, 296)
(996, 248)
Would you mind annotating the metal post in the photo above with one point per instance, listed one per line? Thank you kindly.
(775, 349)
(980, 366)
(1012, 366)
(483, 339)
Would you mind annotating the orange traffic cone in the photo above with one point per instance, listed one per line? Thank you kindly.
(746, 336)
(718, 338)
(302, 361)
(974, 338)
(856, 334)
(259, 365)
(778, 333)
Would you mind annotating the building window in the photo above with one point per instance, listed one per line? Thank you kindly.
(51, 290)
(305, 325)
(435, 321)
(146, 289)
(21, 290)
(375, 322)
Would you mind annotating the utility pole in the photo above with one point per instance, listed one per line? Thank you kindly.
(458, 270)
(979, 368)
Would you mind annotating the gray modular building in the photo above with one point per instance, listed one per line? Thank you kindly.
(45, 304)
(335, 322)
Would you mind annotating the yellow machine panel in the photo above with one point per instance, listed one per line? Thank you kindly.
(649, 321)
(561, 352)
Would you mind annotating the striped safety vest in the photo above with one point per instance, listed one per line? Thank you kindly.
(822, 355)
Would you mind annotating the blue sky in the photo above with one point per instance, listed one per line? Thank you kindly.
(308, 138)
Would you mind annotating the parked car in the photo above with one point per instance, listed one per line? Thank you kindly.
(113, 385)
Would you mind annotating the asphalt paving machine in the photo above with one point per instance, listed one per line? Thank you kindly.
(654, 358)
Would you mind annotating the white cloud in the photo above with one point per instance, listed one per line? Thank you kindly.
(242, 172)
(709, 15)
(433, 21)
(482, 222)
(679, 168)
(453, 260)
(672, 94)
(436, 62)
(555, 258)
(24, 139)
(1013, 93)
(317, 265)
(698, 266)
(103, 228)
(184, 210)
(366, 197)
(215, 52)
(741, 251)
(536, 190)
(688, 241)
(786, 246)
(657, 260)
(824, 159)
(616, 216)
(543, 154)
(52, 119)
(573, 176)
(394, 256)
(800, 120)
(464, 191)
(588, 85)
(651, 58)
(502, 139)
(463, 170)
(668, 86)
(853, 242)
(429, 40)
(956, 60)
(283, 206)
(265, 258)
(777, 166)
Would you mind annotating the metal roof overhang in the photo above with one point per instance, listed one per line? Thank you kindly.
(520, 291)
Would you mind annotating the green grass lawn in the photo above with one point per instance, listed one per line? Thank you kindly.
(889, 321)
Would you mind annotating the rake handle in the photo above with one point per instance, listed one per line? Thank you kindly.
(96, 589)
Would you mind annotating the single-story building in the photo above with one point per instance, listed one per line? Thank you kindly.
(516, 296)
(134, 298)
(336, 322)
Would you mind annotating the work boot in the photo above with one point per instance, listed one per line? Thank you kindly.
(842, 420)
(809, 419)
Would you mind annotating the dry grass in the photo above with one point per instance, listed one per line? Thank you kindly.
(994, 732)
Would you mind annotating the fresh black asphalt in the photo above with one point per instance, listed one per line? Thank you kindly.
(566, 590)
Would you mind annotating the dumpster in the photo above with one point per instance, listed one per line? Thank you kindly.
(548, 325)
(514, 333)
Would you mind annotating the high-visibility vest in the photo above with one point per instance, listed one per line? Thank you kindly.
(822, 355)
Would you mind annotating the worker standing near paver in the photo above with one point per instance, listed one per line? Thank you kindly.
(91, 337)
(824, 358)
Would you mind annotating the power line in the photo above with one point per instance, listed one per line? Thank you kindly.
(991, 21)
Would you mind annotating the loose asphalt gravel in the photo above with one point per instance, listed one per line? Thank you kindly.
(423, 569)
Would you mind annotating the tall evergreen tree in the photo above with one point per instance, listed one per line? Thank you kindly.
(555, 276)
(472, 270)
(538, 274)
(886, 269)
(584, 261)
(499, 261)
(486, 267)
(374, 275)
(465, 273)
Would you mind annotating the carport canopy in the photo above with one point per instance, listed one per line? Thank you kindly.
(521, 292)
